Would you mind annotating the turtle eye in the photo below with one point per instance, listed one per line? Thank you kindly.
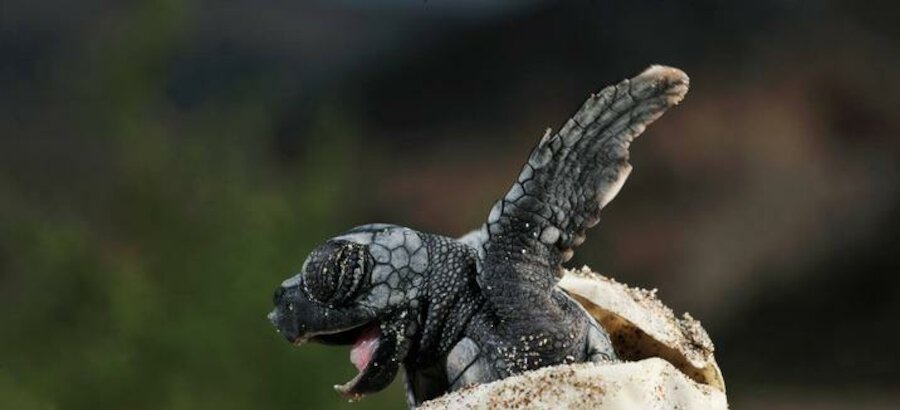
(335, 272)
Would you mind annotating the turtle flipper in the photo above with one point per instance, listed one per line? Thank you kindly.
(569, 177)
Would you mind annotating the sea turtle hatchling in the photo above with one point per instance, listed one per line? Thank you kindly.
(459, 311)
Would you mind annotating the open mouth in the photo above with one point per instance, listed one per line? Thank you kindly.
(374, 356)
(364, 347)
(364, 339)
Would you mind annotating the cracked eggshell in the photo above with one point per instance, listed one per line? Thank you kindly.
(640, 326)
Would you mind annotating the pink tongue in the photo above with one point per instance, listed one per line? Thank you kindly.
(361, 353)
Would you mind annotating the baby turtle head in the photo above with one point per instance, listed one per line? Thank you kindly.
(318, 300)
(357, 289)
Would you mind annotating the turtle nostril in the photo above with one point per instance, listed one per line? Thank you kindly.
(279, 293)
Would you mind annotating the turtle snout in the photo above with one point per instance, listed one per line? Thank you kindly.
(283, 316)
(279, 295)
(275, 315)
(278, 319)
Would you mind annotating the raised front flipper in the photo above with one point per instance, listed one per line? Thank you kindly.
(569, 177)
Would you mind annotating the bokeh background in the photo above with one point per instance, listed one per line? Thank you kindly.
(164, 164)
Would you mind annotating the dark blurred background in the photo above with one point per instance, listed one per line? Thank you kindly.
(165, 164)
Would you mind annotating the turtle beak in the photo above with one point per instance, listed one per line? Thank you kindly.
(298, 319)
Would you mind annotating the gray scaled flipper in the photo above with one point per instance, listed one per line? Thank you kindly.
(570, 176)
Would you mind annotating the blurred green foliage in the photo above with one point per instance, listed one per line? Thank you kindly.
(149, 289)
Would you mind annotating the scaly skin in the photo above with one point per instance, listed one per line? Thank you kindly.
(455, 312)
